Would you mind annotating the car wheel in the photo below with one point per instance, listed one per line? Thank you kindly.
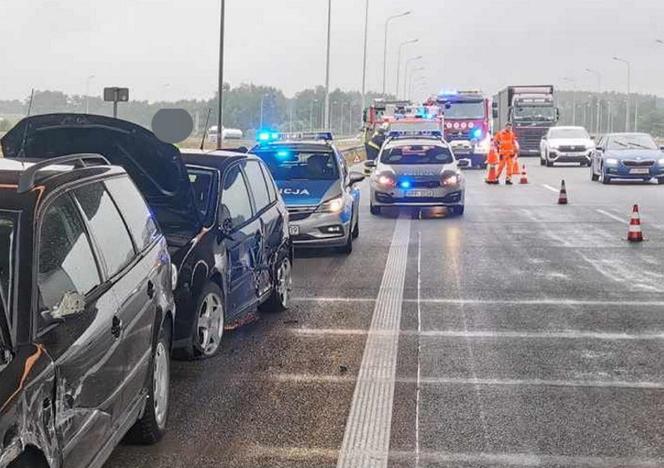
(279, 300)
(152, 426)
(594, 177)
(660, 180)
(375, 210)
(542, 162)
(356, 229)
(603, 178)
(549, 163)
(459, 210)
(208, 324)
(347, 249)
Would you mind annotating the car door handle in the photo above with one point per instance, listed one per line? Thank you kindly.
(116, 328)
(150, 290)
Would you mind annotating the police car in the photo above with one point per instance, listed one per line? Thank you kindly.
(417, 169)
(321, 194)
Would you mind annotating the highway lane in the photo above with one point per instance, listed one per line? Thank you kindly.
(534, 333)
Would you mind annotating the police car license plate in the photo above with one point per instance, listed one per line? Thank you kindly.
(294, 230)
(419, 193)
(641, 170)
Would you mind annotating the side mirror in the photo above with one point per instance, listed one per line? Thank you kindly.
(599, 148)
(370, 163)
(72, 303)
(592, 137)
(463, 163)
(225, 224)
(661, 148)
(356, 177)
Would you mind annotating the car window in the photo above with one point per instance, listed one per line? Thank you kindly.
(636, 141)
(417, 154)
(568, 133)
(292, 164)
(136, 214)
(66, 262)
(108, 228)
(257, 183)
(235, 201)
(271, 188)
(7, 257)
(203, 184)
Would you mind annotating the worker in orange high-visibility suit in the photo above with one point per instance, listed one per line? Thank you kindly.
(492, 161)
(508, 149)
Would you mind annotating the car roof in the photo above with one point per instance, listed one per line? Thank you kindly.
(568, 127)
(431, 141)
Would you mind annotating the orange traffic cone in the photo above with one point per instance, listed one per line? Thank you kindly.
(515, 166)
(524, 176)
(492, 161)
(634, 234)
(562, 199)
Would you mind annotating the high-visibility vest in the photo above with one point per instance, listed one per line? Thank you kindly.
(506, 142)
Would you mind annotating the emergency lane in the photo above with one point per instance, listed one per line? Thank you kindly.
(533, 332)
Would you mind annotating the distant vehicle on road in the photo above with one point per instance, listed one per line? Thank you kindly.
(467, 124)
(633, 156)
(566, 145)
(225, 225)
(86, 312)
(532, 111)
(320, 192)
(416, 170)
(227, 134)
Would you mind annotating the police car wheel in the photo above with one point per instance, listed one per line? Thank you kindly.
(375, 210)
(356, 229)
(458, 210)
(347, 249)
(549, 163)
(660, 180)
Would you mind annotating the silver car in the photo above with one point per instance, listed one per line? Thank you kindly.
(417, 171)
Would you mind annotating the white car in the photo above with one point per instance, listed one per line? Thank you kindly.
(566, 145)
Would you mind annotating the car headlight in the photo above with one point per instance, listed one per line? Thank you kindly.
(611, 161)
(385, 179)
(450, 179)
(661, 162)
(332, 206)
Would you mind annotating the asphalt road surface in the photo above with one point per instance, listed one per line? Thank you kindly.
(522, 334)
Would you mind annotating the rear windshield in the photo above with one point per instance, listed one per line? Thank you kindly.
(569, 133)
(7, 259)
(417, 154)
(627, 142)
(202, 181)
(289, 164)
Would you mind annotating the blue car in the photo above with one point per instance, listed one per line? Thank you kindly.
(632, 156)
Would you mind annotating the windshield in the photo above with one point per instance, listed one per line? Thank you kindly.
(569, 133)
(627, 142)
(7, 246)
(417, 154)
(535, 113)
(465, 110)
(291, 164)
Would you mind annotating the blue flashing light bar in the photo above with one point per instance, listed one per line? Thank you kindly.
(269, 136)
(477, 133)
(405, 184)
(415, 133)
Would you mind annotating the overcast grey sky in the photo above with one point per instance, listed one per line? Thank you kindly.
(168, 48)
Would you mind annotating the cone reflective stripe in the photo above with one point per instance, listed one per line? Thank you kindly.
(562, 199)
(524, 176)
(635, 234)
(492, 175)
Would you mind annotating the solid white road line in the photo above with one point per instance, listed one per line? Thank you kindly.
(567, 334)
(612, 216)
(456, 381)
(515, 302)
(366, 441)
(551, 188)
(419, 349)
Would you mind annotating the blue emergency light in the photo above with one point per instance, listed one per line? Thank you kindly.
(405, 184)
(283, 154)
(477, 133)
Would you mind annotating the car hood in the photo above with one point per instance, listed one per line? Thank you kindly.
(587, 142)
(421, 170)
(308, 192)
(635, 154)
(156, 167)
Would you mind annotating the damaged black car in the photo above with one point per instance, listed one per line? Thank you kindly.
(224, 221)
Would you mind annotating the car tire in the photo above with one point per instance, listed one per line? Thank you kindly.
(200, 346)
(660, 180)
(594, 177)
(375, 210)
(542, 161)
(549, 163)
(347, 248)
(279, 299)
(603, 178)
(459, 210)
(356, 229)
(150, 428)
(29, 459)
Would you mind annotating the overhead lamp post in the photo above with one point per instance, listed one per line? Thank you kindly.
(409, 78)
(220, 92)
(627, 101)
(387, 25)
(364, 59)
(326, 117)
(401, 46)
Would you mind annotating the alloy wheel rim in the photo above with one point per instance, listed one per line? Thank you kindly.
(284, 282)
(160, 389)
(210, 324)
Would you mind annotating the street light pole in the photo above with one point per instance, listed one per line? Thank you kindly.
(406, 81)
(573, 81)
(387, 24)
(220, 100)
(627, 103)
(401, 46)
(414, 82)
(598, 75)
(364, 59)
(326, 118)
